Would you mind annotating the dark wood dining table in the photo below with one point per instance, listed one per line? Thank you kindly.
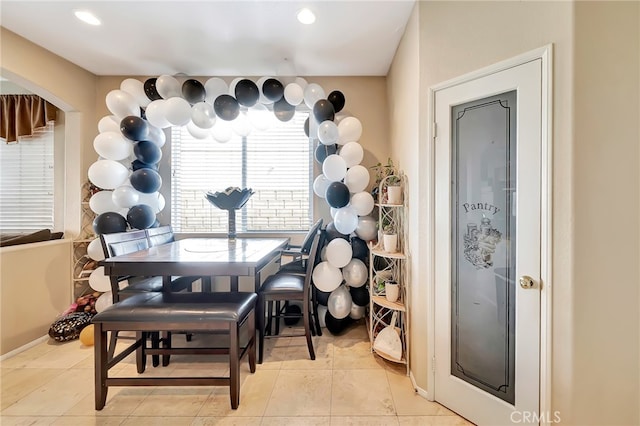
(206, 257)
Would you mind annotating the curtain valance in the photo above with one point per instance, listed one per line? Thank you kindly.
(20, 115)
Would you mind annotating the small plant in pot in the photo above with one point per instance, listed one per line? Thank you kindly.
(391, 290)
(389, 239)
(381, 172)
(394, 190)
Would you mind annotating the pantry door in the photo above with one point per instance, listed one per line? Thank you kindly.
(488, 246)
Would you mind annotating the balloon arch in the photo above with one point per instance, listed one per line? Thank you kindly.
(129, 147)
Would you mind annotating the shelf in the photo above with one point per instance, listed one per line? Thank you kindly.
(379, 252)
(381, 354)
(389, 205)
(382, 301)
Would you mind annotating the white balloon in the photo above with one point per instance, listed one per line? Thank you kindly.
(362, 202)
(107, 174)
(136, 89)
(346, 220)
(104, 301)
(233, 84)
(99, 281)
(339, 252)
(260, 117)
(202, 115)
(339, 303)
(241, 125)
(197, 132)
(320, 185)
(355, 273)
(155, 200)
(125, 196)
(352, 153)
(157, 136)
(215, 87)
(109, 123)
(322, 313)
(367, 228)
(323, 254)
(301, 82)
(357, 311)
(357, 178)
(349, 130)
(222, 132)
(328, 132)
(326, 277)
(313, 93)
(112, 146)
(94, 250)
(334, 168)
(102, 202)
(178, 111)
(121, 104)
(332, 212)
(293, 94)
(156, 114)
(168, 87)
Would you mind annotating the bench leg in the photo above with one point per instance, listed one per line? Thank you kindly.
(252, 341)
(234, 365)
(141, 356)
(155, 344)
(260, 324)
(100, 365)
(166, 344)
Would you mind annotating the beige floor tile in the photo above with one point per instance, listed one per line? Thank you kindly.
(297, 421)
(158, 421)
(120, 402)
(408, 402)
(226, 421)
(56, 396)
(254, 395)
(355, 354)
(432, 421)
(22, 359)
(301, 393)
(26, 421)
(18, 383)
(88, 421)
(173, 402)
(357, 330)
(297, 355)
(71, 354)
(364, 421)
(363, 392)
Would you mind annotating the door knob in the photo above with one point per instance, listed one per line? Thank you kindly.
(526, 282)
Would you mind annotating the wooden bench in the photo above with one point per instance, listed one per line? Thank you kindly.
(146, 313)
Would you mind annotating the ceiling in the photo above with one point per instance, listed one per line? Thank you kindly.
(216, 38)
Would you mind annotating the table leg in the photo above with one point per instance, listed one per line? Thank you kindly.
(206, 284)
(233, 280)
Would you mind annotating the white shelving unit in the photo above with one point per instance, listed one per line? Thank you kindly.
(83, 265)
(385, 265)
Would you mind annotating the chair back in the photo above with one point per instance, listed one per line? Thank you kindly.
(311, 263)
(160, 235)
(120, 243)
(305, 247)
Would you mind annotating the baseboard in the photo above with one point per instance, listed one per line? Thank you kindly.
(23, 348)
(423, 393)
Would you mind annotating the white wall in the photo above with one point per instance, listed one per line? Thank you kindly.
(595, 178)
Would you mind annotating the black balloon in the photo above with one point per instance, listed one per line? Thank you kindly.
(109, 223)
(283, 110)
(247, 93)
(322, 297)
(273, 89)
(337, 100)
(141, 216)
(323, 111)
(150, 89)
(147, 152)
(226, 107)
(137, 164)
(134, 128)
(332, 233)
(193, 91)
(359, 295)
(292, 310)
(337, 195)
(334, 325)
(306, 127)
(146, 180)
(323, 151)
(359, 248)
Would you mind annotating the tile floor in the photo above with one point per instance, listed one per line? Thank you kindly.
(52, 384)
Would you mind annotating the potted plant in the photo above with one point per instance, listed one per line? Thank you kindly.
(389, 239)
(381, 172)
(394, 190)
(391, 290)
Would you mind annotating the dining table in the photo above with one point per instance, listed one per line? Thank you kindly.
(205, 257)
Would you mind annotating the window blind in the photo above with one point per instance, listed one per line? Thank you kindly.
(275, 163)
(27, 182)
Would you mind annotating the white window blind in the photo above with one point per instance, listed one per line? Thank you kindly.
(275, 163)
(27, 182)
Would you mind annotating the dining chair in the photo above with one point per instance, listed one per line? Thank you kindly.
(288, 287)
(299, 254)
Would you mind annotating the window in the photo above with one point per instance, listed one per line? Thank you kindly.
(275, 163)
(27, 182)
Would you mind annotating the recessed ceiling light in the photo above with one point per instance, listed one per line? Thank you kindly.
(87, 17)
(306, 16)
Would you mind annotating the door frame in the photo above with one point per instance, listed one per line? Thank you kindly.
(545, 54)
